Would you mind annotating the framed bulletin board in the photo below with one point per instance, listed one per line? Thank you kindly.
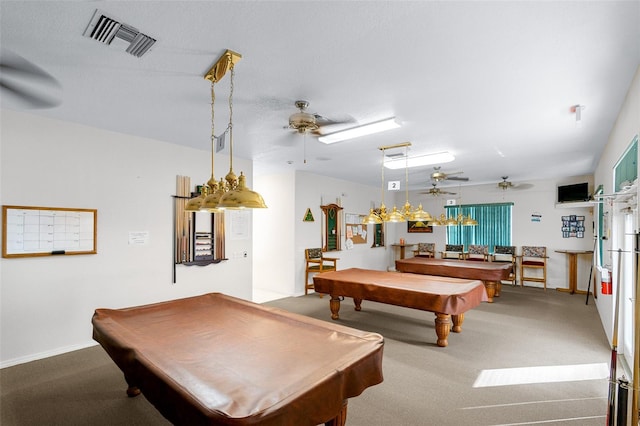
(573, 226)
(47, 231)
(355, 230)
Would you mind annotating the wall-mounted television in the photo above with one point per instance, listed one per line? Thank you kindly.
(573, 193)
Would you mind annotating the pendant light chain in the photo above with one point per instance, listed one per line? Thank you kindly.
(213, 114)
(231, 178)
(232, 69)
(382, 183)
(213, 136)
(406, 177)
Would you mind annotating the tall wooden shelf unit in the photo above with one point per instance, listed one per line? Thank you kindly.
(331, 227)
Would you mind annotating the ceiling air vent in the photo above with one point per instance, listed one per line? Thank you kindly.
(105, 29)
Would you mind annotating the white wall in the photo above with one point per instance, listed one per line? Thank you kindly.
(274, 234)
(281, 235)
(626, 127)
(46, 303)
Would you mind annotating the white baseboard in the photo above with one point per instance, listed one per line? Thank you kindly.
(42, 355)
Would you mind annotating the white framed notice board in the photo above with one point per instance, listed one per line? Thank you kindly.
(48, 231)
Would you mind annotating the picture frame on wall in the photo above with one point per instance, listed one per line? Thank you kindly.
(418, 227)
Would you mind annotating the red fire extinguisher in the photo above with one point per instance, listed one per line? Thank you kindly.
(606, 282)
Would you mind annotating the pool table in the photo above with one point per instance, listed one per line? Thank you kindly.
(448, 298)
(217, 360)
(491, 273)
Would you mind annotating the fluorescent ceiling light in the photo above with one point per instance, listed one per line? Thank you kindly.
(365, 129)
(420, 160)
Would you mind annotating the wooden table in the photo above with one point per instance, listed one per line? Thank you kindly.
(448, 298)
(217, 360)
(490, 273)
(402, 248)
(573, 270)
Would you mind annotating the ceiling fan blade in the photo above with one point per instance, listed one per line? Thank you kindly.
(521, 186)
(328, 126)
(29, 98)
(26, 83)
(460, 178)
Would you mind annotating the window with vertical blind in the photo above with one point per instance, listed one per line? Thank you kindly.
(494, 225)
(626, 169)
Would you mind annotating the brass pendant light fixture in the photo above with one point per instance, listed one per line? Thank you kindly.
(211, 192)
(377, 216)
(395, 216)
(238, 196)
(195, 203)
(380, 215)
(414, 215)
(230, 192)
(454, 221)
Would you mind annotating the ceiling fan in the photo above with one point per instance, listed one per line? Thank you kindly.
(505, 184)
(439, 176)
(304, 122)
(435, 191)
(24, 83)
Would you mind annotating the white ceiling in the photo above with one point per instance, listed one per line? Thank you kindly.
(491, 82)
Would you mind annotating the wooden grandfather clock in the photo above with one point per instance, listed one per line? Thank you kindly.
(331, 227)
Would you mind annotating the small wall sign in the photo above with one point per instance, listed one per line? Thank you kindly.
(308, 216)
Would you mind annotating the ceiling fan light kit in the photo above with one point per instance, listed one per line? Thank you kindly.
(303, 121)
(419, 160)
(365, 129)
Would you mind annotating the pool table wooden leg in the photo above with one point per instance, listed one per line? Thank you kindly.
(132, 390)
(341, 418)
(357, 304)
(457, 322)
(490, 287)
(334, 305)
(443, 325)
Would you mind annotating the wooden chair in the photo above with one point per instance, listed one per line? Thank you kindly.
(506, 254)
(534, 258)
(316, 263)
(425, 250)
(452, 251)
(477, 252)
